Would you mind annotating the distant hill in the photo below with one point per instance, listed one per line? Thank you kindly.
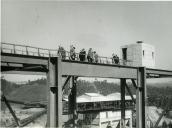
(161, 82)
(29, 93)
(159, 85)
(35, 91)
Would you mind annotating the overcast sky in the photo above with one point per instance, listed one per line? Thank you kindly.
(104, 26)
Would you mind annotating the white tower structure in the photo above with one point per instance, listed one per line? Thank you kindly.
(139, 54)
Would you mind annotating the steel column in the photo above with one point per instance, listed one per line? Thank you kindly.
(72, 102)
(123, 84)
(131, 122)
(140, 98)
(75, 115)
(55, 93)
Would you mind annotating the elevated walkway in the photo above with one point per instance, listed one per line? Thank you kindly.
(17, 60)
(32, 59)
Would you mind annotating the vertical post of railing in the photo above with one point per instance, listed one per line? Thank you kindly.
(14, 48)
(77, 57)
(69, 55)
(27, 52)
(125, 62)
(39, 52)
(54, 116)
(123, 84)
(106, 60)
(140, 98)
(49, 53)
(2, 47)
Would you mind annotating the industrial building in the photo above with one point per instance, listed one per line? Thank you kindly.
(101, 118)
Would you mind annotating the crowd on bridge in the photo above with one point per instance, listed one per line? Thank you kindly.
(83, 56)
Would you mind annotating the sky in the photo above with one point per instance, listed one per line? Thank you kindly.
(102, 25)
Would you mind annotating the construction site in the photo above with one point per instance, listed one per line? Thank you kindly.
(121, 109)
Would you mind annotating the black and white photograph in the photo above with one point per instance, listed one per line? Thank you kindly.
(86, 64)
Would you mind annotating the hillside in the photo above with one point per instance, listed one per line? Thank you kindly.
(35, 91)
(29, 93)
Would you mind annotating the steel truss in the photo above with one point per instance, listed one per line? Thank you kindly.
(55, 68)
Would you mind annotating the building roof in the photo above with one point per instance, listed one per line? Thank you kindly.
(114, 96)
(95, 97)
(93, 94)
(137, 44)
(91, 97)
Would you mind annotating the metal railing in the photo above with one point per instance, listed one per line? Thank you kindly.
(43, 52)
(27, 50)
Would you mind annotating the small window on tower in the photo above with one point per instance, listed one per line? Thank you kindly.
(153, 55)
(143, 53)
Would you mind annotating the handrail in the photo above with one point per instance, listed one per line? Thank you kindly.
(28, 46)
(51, 52)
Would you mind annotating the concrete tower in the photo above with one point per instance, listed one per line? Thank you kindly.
(139, 54)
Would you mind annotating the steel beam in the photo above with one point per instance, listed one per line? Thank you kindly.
(29, 119)
(55, 93)
(65, 83)
(130, 93)
(122, 84)
(10, 109)
(134, 83)
(23, 59)
(29, 68)
(97, 70)
(82, 68)
(140, 98)
(24, 72)
(162, 73)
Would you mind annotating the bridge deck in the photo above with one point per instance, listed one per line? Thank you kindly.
(13, 60)
(56, 68)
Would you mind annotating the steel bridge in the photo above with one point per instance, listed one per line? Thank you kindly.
(17, 60)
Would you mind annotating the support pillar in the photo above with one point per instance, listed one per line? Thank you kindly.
(54, 114)
(131, 121)
(73, 102)
(140, 98)
(123, 84)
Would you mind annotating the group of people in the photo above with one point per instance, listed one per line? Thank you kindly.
(62, 52)
(115, 59)
(91, 57)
